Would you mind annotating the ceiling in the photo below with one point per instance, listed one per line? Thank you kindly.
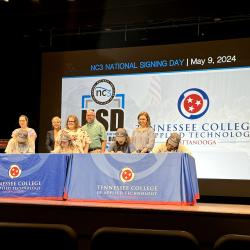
(52, 20)
(29, 27)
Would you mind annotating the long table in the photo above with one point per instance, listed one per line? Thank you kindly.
(135, 178)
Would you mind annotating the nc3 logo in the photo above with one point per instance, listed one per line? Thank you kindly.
(103, 92)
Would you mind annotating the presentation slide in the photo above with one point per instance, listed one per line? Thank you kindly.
(200, 90)
(204, 106)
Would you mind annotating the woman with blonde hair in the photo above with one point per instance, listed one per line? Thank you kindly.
(52, 134)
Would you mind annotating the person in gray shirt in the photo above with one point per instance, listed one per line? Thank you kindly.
(143, 137)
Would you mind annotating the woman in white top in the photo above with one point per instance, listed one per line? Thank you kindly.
(143, 137)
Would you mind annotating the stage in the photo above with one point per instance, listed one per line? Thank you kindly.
(207, 221)
(50, 188)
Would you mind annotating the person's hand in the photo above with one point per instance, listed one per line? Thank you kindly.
(145, 150)
(119, 152)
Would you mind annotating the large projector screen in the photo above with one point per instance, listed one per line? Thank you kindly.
(200, 90)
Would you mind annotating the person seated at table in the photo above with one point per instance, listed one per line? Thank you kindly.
(23, 123)
(20, 144)
(122, 143)
(79, 139)
(172, 145)
(143, 137)
(64, 145)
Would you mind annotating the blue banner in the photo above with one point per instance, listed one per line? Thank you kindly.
(139, 178)
(33, 175)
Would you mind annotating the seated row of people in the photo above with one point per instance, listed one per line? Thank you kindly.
(91, 138)
(122, 144)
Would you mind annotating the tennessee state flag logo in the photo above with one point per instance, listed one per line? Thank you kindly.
(193, 103)
(14, 171)
(127, 175)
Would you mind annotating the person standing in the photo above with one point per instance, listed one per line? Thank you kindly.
(143, 137)
(77, 138)
(52, 134)
(96, 132)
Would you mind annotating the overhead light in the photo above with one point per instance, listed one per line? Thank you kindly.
(217, 19)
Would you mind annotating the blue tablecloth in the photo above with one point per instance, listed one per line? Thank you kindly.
(33, 175)
(136, 178)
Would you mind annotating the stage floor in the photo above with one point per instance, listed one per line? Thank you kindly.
(199, 207)
(206, 221)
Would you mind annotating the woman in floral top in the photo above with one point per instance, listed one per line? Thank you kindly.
(78, 139)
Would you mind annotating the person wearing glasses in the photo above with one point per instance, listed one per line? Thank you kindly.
(96, 132)
(72, 139)
(52, 134)
(31, 137)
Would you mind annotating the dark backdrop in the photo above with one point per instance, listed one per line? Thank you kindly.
(29, 28)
